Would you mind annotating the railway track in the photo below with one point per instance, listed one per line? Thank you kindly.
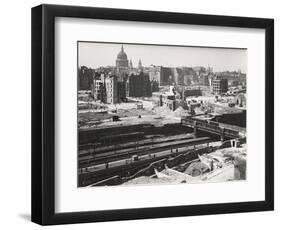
(92, 150)
(89, 160)
(128, 168)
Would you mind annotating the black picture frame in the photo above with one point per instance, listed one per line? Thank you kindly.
(43, 113)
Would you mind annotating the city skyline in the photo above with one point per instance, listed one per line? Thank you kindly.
(220, 59)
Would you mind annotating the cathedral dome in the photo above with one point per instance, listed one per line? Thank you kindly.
(122, 55)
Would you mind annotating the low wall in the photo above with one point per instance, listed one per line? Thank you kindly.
(94, 135)
(238, 119)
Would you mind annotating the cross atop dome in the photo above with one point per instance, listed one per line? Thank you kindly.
(122, 55)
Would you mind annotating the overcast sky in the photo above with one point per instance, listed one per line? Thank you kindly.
(103, 54)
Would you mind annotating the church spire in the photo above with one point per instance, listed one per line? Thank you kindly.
(140, 64)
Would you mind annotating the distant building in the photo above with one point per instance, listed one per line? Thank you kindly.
(199, 69)
(189, 76)
(131, 64)
(166, 99)
(236, 81)
(178, 76)
(111, 90)
(121, 90)
(204, 80)
(140, 67)
(122, 64)
(192, 92)
(209, 70)
(157, 98)
(188, 91)
(219, 85)
(233, 74)
(154, 86)
(162, 75)
(241, 100)
(154, 73)
(108, 89)
(169, 101)
(98, 89)
(85, 78)
(166, 76)
(171, 75)
(187, 80)
(139, 85)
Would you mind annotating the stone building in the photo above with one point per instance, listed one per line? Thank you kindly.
(85, 78)
(139, 85)
(204, 79)
(154, 73)
(162, 75)
(178, 74)
(166, 99)
(122, 64)
(111, 90)
(219, 85)
(192, 93)
(189, 76)
(166, 76)
(98, 89)
(170, 75)
(121, 91)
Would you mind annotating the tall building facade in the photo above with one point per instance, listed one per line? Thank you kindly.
(155, 73)
(85, 78)
(98, 89)
(111, 87)
(172, 75)
(219, 85)
(139, 85)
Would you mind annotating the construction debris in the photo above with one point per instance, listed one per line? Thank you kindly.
(222, 165)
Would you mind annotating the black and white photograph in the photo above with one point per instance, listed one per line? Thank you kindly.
(151, 114)
(140, 114)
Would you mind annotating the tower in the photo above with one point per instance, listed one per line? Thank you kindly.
(122, 63)
(131, 64)
(140, 65)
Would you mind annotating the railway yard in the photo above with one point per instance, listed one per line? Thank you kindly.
(180, 152)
